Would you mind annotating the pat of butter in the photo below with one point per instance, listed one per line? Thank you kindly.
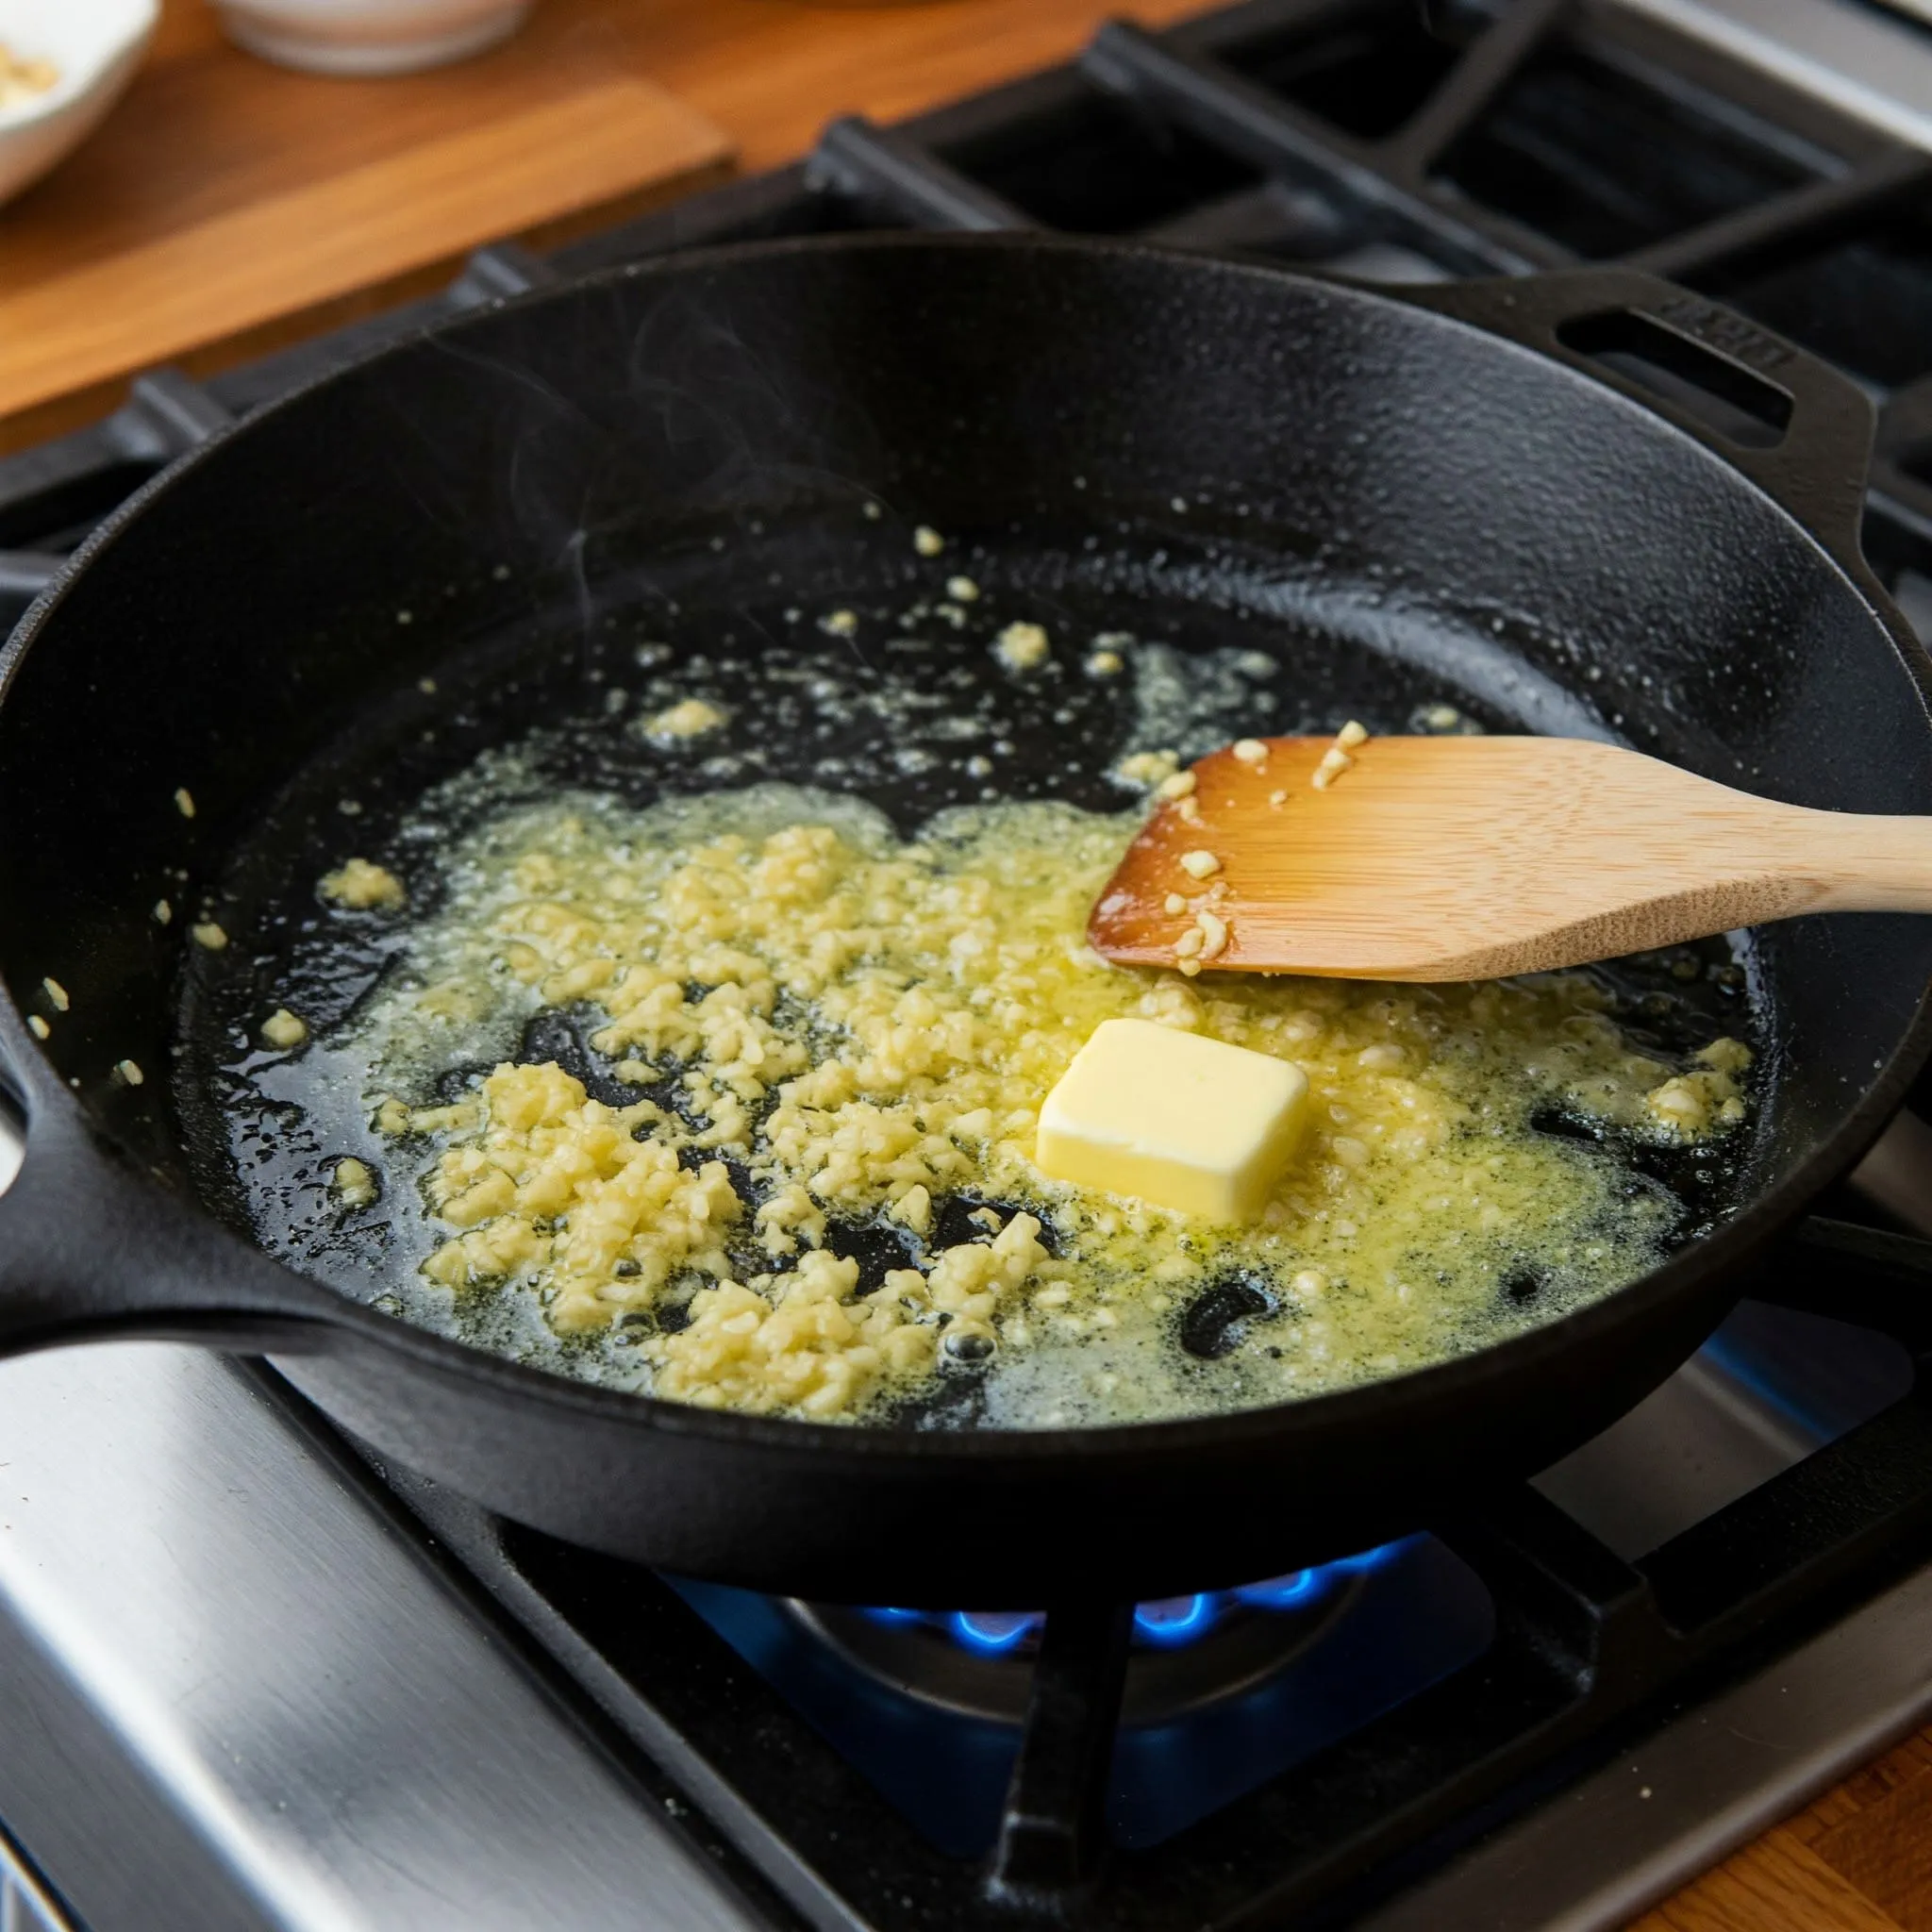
(1172, 1118)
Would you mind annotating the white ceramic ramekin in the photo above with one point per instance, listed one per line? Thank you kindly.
(95, 45)
(366, 37)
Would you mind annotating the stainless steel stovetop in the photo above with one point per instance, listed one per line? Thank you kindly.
(242, 1684)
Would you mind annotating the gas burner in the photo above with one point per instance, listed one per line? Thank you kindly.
(1188, 1651)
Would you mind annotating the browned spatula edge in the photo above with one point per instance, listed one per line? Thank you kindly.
(1476, 858)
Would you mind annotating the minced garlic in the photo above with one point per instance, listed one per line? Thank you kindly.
(210, 936)
(687, 718)
(1338, 757)
(39, 1027)
(57, 994)
(284, 1029)
(1022, 646)
(364, 887)
(354, 1183)
(867, 1027)
(1690, 1104)
(1147, 767)
(927, 541)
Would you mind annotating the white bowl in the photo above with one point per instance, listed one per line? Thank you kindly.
(365, 37)
(95, 45)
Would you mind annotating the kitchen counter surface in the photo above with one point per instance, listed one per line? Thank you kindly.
(1859, 1860)
(769, 73)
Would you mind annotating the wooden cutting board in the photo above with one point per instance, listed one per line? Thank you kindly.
(228, 205)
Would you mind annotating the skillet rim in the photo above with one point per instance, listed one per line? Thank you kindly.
(1705, 1265)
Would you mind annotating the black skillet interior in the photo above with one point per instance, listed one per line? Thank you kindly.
(742, 626)
(1393, 508)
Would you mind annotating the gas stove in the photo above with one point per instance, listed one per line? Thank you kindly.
(253, 1678)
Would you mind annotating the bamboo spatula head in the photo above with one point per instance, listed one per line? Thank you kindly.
(1469, 857)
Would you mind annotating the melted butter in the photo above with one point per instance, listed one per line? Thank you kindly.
(855, 1030)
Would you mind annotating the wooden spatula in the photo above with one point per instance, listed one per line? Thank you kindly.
(1470, 857)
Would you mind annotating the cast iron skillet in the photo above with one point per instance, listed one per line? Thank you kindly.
(1453, 492)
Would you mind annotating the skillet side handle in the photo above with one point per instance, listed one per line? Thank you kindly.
(1801, 431)
(93, 1250)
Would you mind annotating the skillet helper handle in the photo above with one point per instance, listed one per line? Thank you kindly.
(91, 1249)
(1800, 430)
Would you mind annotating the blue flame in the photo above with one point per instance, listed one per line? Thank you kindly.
(1171, 1622)
(1178, 1620)
(992, 1631)
(1279, 1591)
(1366, 1560)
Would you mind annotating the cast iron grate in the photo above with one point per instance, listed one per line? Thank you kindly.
(1363, 136)
(1588, 1653)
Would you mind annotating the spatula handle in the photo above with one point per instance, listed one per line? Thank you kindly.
(1865, 863)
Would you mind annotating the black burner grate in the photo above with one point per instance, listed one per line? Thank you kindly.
(1367, 138)
(1585, 1652)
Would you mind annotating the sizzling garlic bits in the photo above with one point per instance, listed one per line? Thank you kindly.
(1178, 791)
(1338, 757)
(1202, 943)
(284, 1030)
(354, 1183)
(1147, 767)
(1690, 1104)
(1022, 646)
(689, 719)
(364, 887)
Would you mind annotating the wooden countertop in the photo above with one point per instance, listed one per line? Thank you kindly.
(770, 74)
(228, 205)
